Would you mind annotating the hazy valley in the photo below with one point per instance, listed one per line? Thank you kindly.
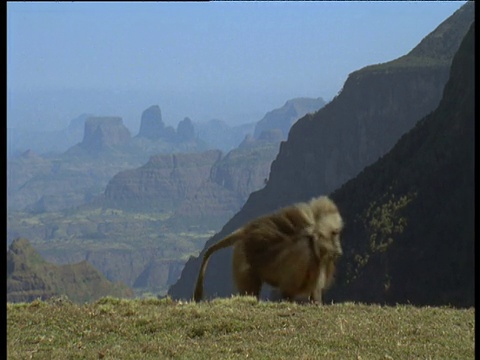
(136, 207)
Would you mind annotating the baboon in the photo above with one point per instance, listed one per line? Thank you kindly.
(293, 250)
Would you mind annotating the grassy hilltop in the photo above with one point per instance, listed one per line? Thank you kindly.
(236, 328)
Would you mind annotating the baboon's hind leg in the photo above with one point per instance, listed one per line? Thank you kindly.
(248, 283)
(246, 279)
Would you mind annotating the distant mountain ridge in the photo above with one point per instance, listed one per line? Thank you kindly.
(218, 134)
(57, 182)
(377, 105)
(283, 118)
(79, 174)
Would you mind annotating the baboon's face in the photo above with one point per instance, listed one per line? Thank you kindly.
(329, 235)
(335, 240)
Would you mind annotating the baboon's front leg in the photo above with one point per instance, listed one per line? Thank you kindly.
(316, 296)
(247, 282)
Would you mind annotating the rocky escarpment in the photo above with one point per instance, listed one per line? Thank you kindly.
(231, 180)
(162, 183)
(376, 107)
(104, 132)
(283, 118)
(203, 188)
(30, 277)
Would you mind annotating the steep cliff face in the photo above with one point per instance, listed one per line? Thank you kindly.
(377, 105)
(162, 183)
(410, 230)
(355, 129)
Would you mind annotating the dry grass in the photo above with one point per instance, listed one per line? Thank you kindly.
(235, 328)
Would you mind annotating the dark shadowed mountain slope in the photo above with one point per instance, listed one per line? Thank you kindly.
(410, 216)
(30, 277)
(377, 105)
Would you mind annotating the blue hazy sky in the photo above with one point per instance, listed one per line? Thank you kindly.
(229, 60)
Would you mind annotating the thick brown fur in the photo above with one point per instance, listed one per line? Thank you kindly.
(293, 249)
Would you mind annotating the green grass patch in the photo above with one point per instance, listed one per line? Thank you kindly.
(236, 328)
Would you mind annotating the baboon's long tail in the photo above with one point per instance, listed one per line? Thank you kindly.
(226, 242)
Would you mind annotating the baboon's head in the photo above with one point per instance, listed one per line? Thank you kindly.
(328, 234)
(328, 226)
